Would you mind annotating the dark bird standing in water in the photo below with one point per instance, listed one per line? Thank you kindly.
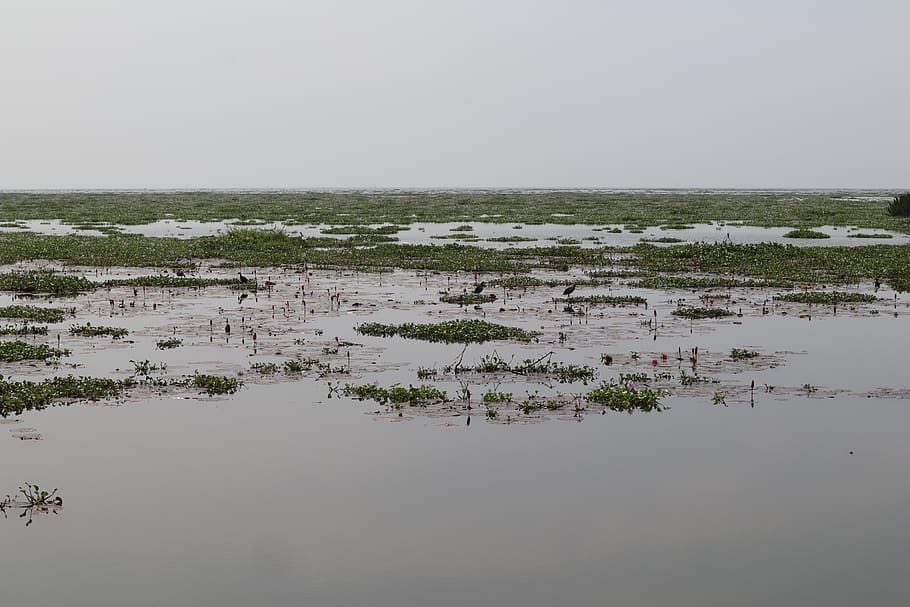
(243, 278)
(227, 328)
(180, 273)
(569, 290)
(479, 287)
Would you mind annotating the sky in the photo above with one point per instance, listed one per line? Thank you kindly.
(443, 94)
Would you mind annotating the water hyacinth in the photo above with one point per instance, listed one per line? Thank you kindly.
(452, 331)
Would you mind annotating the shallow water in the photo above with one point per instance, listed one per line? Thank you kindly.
(280, 495)
(481, 233)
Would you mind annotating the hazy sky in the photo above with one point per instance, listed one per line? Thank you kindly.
(423, 93)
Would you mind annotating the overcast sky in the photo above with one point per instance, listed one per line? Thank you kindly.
(423, 93)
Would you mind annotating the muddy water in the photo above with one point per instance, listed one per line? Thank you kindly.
(280, 495)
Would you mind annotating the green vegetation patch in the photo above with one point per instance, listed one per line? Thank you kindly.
(44, 281)
(870, 235)
(804, 233)
(89, 330)
(701, 313)
(19, 396)
(23, 330)
(15, 351)
(452, 331)
(169, 343)
(33, 313)
(468, 299)
(609, 300)
(419, 396)
(742, 354)
(626, 397)
(827, 297)
(214, 384)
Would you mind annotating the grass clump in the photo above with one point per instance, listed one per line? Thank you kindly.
(619, 397)
(87, 330)
(827, 297)
(804, 233)
(452, 331)
(33, 313)
(701, 313)
(742, 354)
(169, 343)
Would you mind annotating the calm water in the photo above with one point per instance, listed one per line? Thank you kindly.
(282, 496)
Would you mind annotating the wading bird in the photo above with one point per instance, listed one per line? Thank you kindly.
(479, 287)
(243, 278)
(569, 290)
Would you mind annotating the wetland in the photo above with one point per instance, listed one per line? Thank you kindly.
(306, 394)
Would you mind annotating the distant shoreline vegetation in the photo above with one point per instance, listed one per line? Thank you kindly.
(394, 209)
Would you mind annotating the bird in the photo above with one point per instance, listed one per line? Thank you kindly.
(479, 287)
(242, 296)
(569, 290)
(243, 278)
(227, 328)
(181, 273)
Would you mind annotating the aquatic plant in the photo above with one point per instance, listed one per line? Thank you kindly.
(468, 299)
(869, 235)
(803, 233)
(19, 396)
(89, 330)
(609, 300)
(265, 368)
(497, 397)
(35, 496)
(14, 351)
(23, 330)
(44, 281)
(33, 313)
(421, 395)
(701, 313)
(214, 384)
(742, 353)
(169, 343)
(827, 297)
(452, 331)
(620, 397)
